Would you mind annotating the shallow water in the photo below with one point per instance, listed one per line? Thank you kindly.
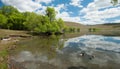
(83, 52)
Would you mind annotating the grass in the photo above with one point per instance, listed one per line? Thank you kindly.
(3, 53)
(113, 26)
(3, 60)
(3, 65)
(5, 32)
(5, 45)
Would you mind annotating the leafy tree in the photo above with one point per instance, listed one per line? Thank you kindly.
(8, 10)
(50, 12)
(11, 18)
(61, 23)
(55, 27)
(3, 20)
(32, 21)
(16, 20)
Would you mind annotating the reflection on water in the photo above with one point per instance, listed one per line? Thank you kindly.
(84, 52)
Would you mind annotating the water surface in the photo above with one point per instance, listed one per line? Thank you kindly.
(100, 52)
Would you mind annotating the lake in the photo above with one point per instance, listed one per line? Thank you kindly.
(59, 52)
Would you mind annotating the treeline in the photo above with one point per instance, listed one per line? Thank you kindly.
(11, 18)
(71, 29)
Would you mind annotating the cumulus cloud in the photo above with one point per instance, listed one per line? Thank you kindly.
(59, 7)
(44, 1)
(101, 15)
(66, 17)
(98, 11)
(23, 5)
(64, 14)
(76, 3)
(26, 5)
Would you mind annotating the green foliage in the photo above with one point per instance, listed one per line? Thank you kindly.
(90, 29)
(66, 29)
(11, 18)
(3, 64)
(50, 12)
(32, 21)
(71, 29)
(15, 21)
(8, 10)
(3, 20)
(60, 23)
(78, 29)
(93, 29)
(3, 53)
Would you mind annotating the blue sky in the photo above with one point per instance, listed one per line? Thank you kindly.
(80, 11)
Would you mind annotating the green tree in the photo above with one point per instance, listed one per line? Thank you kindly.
(55, 27)
(8, 10)
(50, 12)
(33, 22)
(16, 20)
(3, 20)
(11, 18)
(61, 23)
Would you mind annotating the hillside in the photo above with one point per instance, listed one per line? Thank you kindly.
(73, 24)
(111, 26)
(76, 25)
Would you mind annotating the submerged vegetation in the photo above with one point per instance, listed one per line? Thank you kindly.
(11, 18)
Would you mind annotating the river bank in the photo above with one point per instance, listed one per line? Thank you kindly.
(8, 40)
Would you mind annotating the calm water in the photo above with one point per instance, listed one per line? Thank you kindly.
(83, 52)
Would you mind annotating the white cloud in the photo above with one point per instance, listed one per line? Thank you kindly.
(94, 14)
(44, 1)
(66, 17)
(23, 5)
(59, 7)
(76, 3)
(42, 10)
(102, 3)
(26, 5)
(107, 13)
